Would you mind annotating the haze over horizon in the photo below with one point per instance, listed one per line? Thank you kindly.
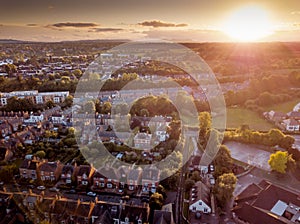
(176, 20)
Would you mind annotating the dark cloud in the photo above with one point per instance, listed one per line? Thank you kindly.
(31, 24)
(157, 23)
(108, 29)
(77, 25)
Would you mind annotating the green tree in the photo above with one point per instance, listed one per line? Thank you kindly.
(280, 161)
(41, 154)
(89, 107)
(106, 108)
(223, 161)
(224, 188)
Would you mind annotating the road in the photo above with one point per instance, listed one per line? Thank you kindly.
(249, 154)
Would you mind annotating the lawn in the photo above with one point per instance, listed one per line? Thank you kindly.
(238, 116)
(284, 107)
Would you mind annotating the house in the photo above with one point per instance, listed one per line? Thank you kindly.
(133, 214)
(50, 171)
(5, 129)
(15, 123)
(57, 119)
(200, 198)
(34, 118)
(294, 115)
(46, 205)
(67, 173)
(267, 203)
(28, 169)
(83, 213)
(275, 116)
(142, 140)
(291, 125)
(150, 179)
(134, 178)
(105, 177)
(84, 175)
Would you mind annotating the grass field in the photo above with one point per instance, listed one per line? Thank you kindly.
(284, 107)
(238, 116)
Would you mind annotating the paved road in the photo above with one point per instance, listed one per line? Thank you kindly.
(249, 154)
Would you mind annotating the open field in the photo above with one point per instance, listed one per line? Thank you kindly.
(284, 107)
(238, 116)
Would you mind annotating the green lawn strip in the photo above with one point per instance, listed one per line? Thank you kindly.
(239, 116)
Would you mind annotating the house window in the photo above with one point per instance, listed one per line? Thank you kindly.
(194, 208)
(205, 210)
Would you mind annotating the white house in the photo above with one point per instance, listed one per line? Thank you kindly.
(34, 118)
(200, 206)
(58, 119)
(200, 198)
(291, 125)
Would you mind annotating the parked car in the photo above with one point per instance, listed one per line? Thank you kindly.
(72, 191)
(41, 188)
(54, 189)
(93, 194)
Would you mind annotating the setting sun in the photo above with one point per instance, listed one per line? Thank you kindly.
(249, 23)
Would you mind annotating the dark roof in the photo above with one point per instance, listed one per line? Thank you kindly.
(107, 173)
(267, 198)
(68, 168)
(134, 174)
(25, 164)
(48, 166)
(150, 174)
(104, 218)
(250, 192)
(256, 202)
(255, 215)
(84, 169)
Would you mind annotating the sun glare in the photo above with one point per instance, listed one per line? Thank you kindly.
(249, 23)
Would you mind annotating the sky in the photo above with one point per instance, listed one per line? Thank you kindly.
(175, 20)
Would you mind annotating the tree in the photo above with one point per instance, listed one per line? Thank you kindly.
(280, 161)
(106, 108)
(189, 183)
(69, 101)
(224, 188)
(41, 154)
(89, 107)
(155, 203)
(223, 161)
(205, 124)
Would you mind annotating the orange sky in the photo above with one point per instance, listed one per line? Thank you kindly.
(178, 20)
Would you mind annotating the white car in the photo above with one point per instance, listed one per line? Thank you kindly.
(93, 194)
(41, 188)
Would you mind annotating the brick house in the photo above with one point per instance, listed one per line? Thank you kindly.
(50, 171)
(84, 174)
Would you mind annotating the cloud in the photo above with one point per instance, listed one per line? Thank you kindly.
(31, 24)
(108, 29)
(77, 25)
(157, 23)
